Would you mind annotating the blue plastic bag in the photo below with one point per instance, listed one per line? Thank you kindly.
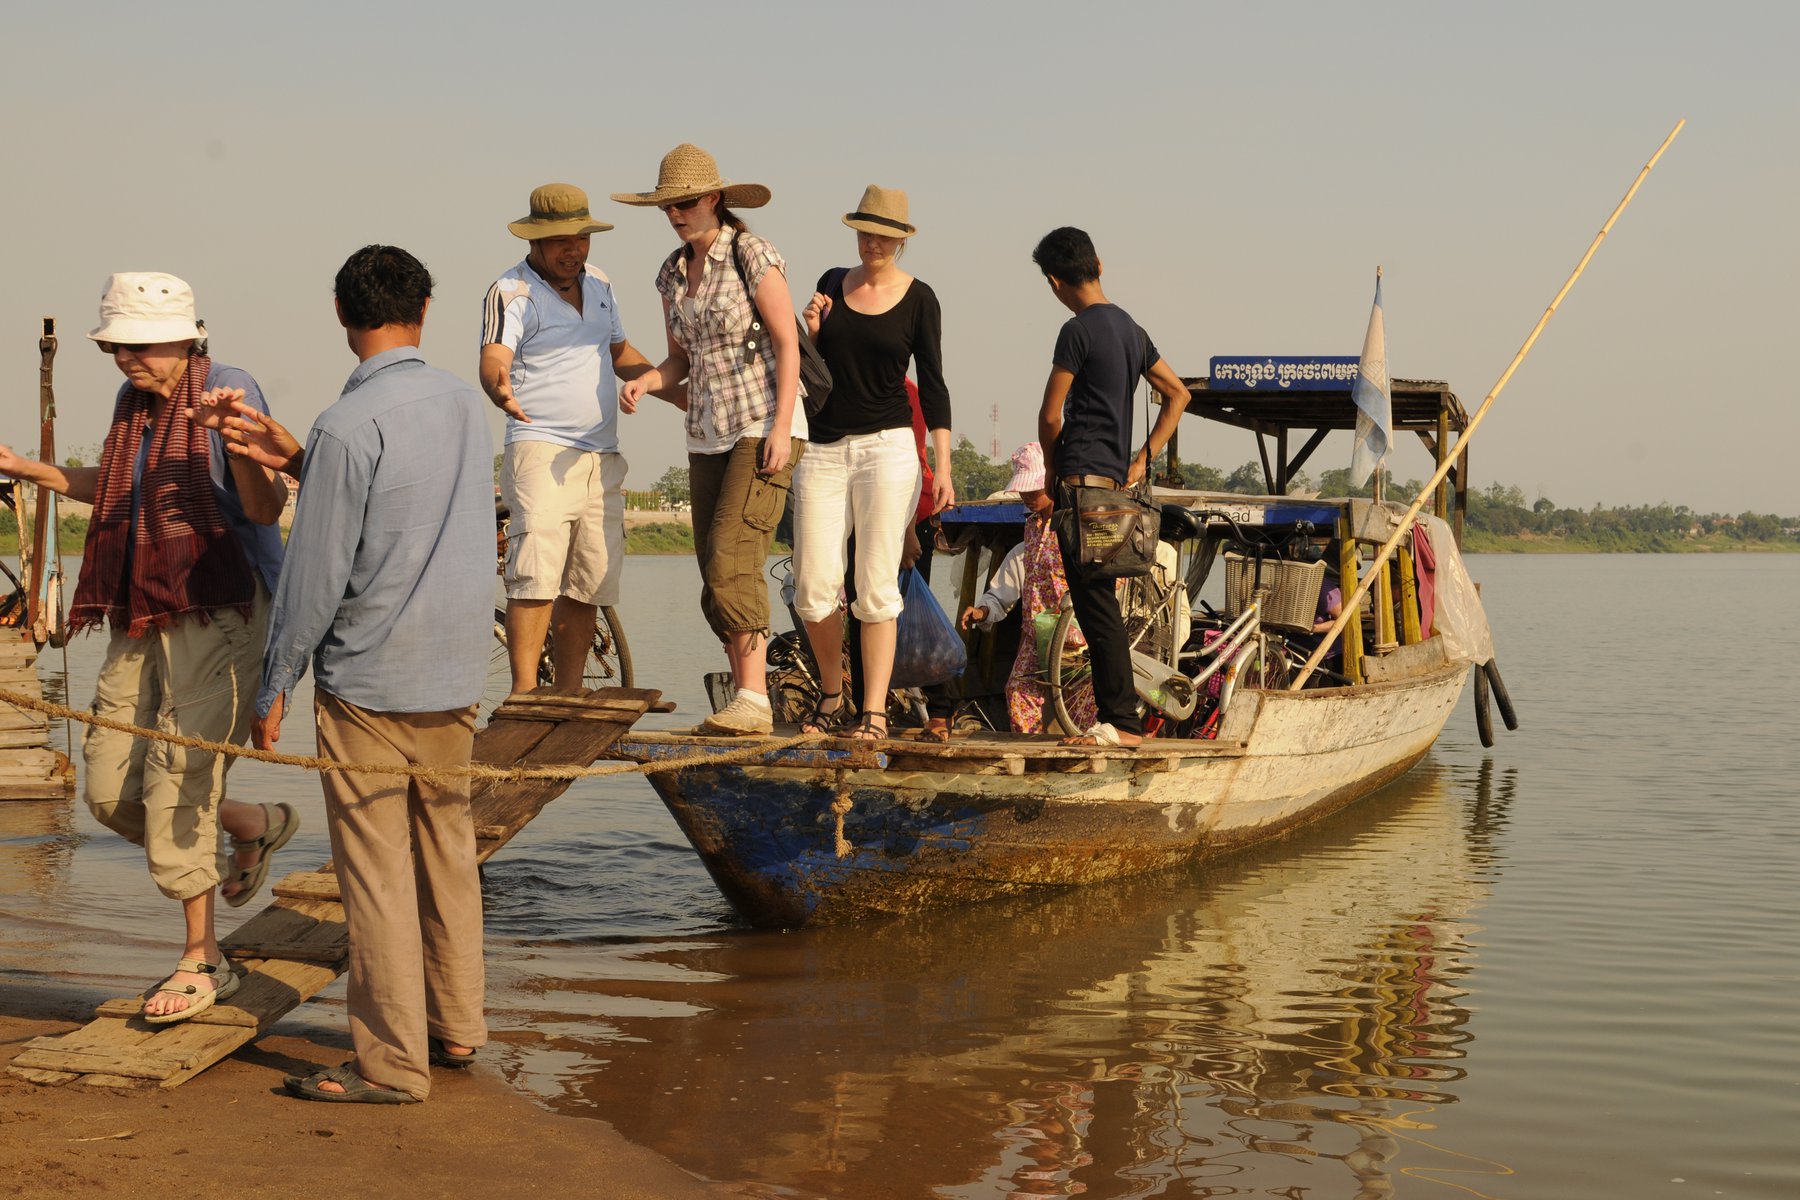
(927, 648)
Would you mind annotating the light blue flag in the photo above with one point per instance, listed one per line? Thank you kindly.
(1374, 398)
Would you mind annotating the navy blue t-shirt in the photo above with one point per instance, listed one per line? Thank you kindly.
(1107, 353)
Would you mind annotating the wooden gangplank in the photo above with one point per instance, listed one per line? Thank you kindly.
(299, 944)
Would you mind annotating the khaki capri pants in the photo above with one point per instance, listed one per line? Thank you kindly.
(196, 678)
(735, 514)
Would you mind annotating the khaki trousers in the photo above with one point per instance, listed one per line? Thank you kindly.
(193, 678)
(404, 852)
(735, 514)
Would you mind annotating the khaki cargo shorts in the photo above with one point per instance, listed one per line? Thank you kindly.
(566, 536)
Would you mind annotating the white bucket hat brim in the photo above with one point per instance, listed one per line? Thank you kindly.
(146, 308)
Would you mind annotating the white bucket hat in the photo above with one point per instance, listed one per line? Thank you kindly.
(146, 307)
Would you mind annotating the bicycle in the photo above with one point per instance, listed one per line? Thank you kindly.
(608, 662)
(1194, 665)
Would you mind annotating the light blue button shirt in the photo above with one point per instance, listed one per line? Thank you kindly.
(388, 580)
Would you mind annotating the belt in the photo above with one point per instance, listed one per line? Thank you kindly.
(1098, 481)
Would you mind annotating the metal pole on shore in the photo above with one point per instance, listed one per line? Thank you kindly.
(1349, 611)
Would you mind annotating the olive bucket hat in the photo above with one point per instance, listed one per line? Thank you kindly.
(557, 210)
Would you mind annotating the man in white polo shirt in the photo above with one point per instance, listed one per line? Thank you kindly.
(553, 352)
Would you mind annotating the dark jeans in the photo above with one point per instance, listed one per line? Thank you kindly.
(1097, 611)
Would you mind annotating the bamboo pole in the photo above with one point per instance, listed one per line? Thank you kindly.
(1437, 476)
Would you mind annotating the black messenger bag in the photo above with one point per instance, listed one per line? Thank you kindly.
(1116, 530)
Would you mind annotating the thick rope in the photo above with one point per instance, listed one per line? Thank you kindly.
(569, 771)
(840, 808)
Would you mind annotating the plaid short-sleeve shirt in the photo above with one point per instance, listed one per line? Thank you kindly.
(737, 392)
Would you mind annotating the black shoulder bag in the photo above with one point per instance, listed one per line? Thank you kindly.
(1117, 529)
(815, 376)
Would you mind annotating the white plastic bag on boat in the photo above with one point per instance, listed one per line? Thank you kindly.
(1459, 618)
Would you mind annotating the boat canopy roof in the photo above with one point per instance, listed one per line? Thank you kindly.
(1276, 397)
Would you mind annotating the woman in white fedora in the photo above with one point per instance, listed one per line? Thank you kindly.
(181, 557)
(862, 470)
(745, 427)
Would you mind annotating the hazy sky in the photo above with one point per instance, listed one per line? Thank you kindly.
(1242, 168)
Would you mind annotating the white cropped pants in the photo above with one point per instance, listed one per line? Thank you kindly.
(866, 484)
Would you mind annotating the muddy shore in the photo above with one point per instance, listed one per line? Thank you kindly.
(234, 1130)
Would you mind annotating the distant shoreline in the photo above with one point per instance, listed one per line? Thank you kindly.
(1476, 542)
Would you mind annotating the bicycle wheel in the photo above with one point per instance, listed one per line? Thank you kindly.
(1150, 628)
(1066, 671)
(609, 659)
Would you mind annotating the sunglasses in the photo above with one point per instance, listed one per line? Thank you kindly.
(115, 347)
(682, 205)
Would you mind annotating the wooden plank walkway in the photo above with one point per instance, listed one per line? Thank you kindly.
(294, 948)
(29, 768)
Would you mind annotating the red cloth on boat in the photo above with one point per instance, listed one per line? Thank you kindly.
(1425, 569)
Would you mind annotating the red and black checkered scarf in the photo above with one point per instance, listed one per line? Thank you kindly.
(184, 558)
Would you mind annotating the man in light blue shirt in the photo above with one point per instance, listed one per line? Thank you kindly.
(385, 590)
(553, 351)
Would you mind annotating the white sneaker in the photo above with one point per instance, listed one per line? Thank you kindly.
(743, 717)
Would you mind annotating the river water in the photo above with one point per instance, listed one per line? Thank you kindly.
(1566, 967)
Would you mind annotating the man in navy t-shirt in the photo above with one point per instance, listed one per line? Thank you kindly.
(1085, 428)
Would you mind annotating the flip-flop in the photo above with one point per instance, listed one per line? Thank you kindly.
(357, 1090)
(273, 838)
(199, 999)
(441, 1056)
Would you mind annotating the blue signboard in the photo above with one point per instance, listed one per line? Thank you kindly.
(1268, 374)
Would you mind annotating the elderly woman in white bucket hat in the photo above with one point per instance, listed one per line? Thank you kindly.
(745, 427)
(862, 472)
(181, 557)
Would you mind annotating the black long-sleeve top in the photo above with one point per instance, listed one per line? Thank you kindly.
(868, 357)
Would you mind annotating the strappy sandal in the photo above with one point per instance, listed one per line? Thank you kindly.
(225, 983)
(821, 720)
(864, 730)
(937, 729)
(250, 879)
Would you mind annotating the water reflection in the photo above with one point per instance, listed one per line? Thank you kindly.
(1283, 1021)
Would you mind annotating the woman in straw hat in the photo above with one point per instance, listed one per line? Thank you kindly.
(745, 428)
(181, 557)
(862, 473)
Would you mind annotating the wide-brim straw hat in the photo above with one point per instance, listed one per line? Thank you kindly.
(882, 211)
(146, 308)
(557, 210)
(688, 171)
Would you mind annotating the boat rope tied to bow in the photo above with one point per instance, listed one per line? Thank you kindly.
(431, 774)
(840, 808)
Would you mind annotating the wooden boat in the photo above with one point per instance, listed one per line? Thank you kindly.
(843, 831)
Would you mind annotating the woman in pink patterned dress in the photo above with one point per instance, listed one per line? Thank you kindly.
(1032, 577)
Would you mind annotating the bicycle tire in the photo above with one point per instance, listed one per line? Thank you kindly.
(1060, 680)
(609, 658)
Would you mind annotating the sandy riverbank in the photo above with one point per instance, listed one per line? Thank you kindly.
(233, 1130)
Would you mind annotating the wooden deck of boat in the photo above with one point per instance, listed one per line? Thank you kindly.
(29, 768)
(983, 752)
(299, 944)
